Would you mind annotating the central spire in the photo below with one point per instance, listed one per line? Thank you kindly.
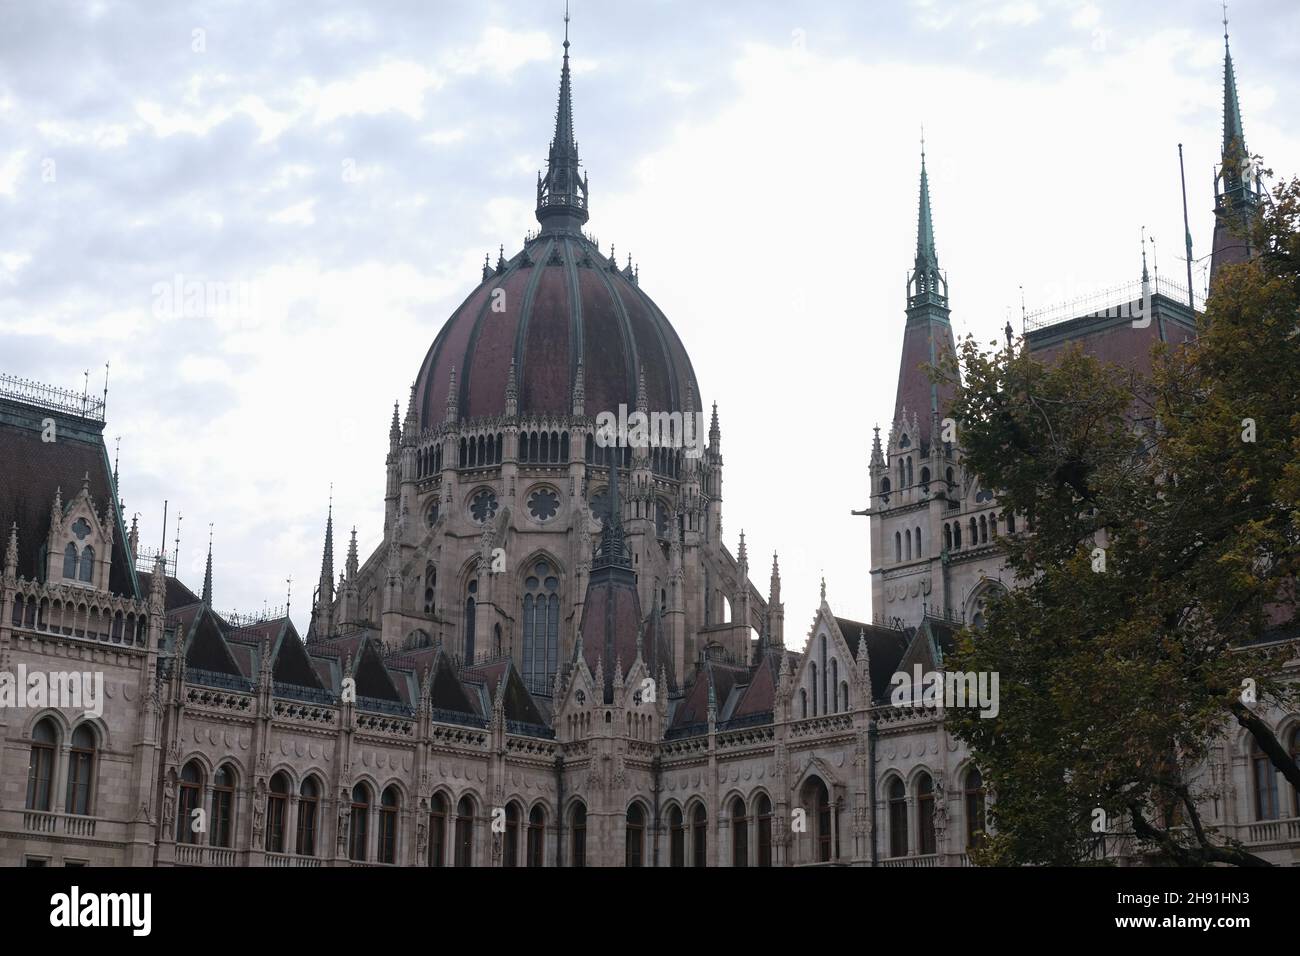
(562, 191)
(926, 280)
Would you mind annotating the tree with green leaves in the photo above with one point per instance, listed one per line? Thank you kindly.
(1155, 602)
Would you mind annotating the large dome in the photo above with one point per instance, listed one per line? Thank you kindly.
(560, 302)
(557, 303)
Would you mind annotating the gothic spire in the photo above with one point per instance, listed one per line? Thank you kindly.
(926, 280)
(612, 551)
(1234, 136)
(327, 558)
(562, 191)
(207, 574)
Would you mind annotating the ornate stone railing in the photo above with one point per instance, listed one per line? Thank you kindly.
(826, 724)
(291, 860)
(909, 862)
(69, 824)
(1272, 831)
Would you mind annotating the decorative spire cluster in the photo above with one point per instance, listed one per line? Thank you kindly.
(927, 283)
(612, 551)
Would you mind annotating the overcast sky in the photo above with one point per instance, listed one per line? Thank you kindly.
(345, 169)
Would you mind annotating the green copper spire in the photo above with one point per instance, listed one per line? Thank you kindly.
(926, 282)
(1234, 136)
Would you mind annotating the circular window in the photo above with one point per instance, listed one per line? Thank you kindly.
(483, 506)
(431, 514)
(543, 504)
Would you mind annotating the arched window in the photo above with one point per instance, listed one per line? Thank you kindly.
(803, 702)
(1011, 523)
(909, 471)
(190, 797)
(81, 771)
(277, 805)
(975, 821)
(925, 475)
(430, 588)
(812, 673)
(835, 687)
(907, 538)
(221, 819)
(471, 604)
(816, 800)
(984, 529)
(578, 836)
(541, 624)
(897, 818)
(70, 562)
(1265, 780)
(763, 811)
(465, 831)
(438, 830)
(844, 695)
(676, 838)
(634, 839)
(898, 546)
(700, 836)
(360, 819)
(88, 565)
(510, 845)
(40, 766)
(956, 534)
(919, 552)
(925, 815)
(884, 485)
(739, 833)
(536, 835)
(974, 532)
(947, 537)
(308, 807)
(825, 698)
(388, 812)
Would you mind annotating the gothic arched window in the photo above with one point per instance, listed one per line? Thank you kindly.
(676, 838)
(81, 770)
(541, 624)
(897, 818)
(221, 819)
(465, 831)
(88, 565)
(471, 605)
(70, 561)
(430, 588)
(277, 804)
(739, 833)
(438, 830)
(40, 766)
(360, 819)
(835, 686)
(898, 546)
(510, 845)
(700, 836)
(919, 552)
(947, 537)
(634, 842)
(1264, 777)
(190, 797)
(925, 815)
(388, 807)
(763, 811)
(536, 836)
(308, 804)
(578, 836)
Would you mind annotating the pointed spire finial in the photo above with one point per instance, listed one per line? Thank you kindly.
(207, 574)
(562, 191)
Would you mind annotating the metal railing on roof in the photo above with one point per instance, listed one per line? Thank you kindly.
(1109, 302)
(51, 398)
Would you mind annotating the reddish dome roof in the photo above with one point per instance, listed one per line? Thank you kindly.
(563, 302)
